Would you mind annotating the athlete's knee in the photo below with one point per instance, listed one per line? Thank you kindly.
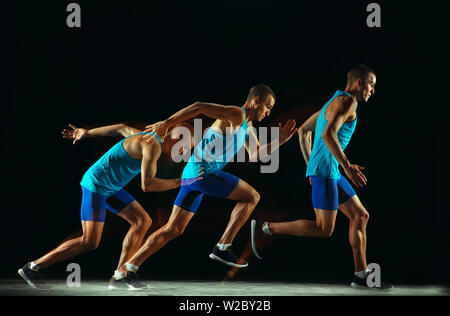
(361, 218)
(174, 231)
(89, 244)
(138, 218)
(254, 197)
(143, 222)
(325, 231)
(365, 217)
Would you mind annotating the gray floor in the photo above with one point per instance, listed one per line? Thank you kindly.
(204, 288)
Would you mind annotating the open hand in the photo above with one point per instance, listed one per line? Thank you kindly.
(198, 178)
(354, 172)
(287, 130)
(160, 128)
(74, 133)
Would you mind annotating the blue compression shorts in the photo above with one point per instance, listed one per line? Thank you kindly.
(328, 194)
(93, 205)
(217, 184)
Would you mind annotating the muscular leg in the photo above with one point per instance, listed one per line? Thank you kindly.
(178, 221)
(322, 227)
(92, 234)
(358, 217)
(140, 223)
(247, 198)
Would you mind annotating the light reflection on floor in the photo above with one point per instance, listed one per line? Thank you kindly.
(208, 288)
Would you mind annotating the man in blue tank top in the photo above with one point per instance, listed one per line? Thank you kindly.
(216, 182)
(333, 126)
(102, 189)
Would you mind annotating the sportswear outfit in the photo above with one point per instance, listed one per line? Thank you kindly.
(211, 155)
(329, 187)
(102, 184)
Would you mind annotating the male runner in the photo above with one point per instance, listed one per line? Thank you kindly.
(102, 188)
(215, 182)
(333, 125)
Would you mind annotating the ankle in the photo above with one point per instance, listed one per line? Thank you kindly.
(131, 267)
(266, 229)
(223, 246)
(34, 266)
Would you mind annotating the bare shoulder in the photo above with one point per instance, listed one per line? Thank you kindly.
(345, 103)
(151, 147)
(238, 112)
(231, 114)
(342, 105)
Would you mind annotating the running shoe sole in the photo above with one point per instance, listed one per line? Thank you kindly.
(253, 233)
(231, 264)
(24, 276)
(360, 287)
(128, 288)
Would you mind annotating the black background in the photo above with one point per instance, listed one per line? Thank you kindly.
(140, 61)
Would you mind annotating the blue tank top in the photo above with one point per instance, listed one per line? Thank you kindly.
(215, 150)
(322, 162)
(112, 171)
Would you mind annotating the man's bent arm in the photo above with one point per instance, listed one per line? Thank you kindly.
(329, 135)
(159, 185)
(149, 182)
(330, 138)
(255, 153)
(305, 133)
(286, 133)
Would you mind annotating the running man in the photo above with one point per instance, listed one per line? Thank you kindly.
(333, 125)
(215, 182)
(102, 189)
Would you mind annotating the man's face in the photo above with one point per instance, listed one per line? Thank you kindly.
(264, 107)
(367, 88)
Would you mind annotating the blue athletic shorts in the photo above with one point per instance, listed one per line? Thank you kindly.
(328, 194)
(217, 184)
(93, 205)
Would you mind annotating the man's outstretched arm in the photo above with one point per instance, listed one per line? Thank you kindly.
(232, 114)
(78, 134)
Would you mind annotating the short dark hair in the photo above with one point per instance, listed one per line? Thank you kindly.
(261, 91)
(359, 72)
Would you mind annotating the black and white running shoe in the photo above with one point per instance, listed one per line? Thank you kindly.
(227, 257)
(33, 278)
(115, 284)
(133, 282)
(359, 283)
